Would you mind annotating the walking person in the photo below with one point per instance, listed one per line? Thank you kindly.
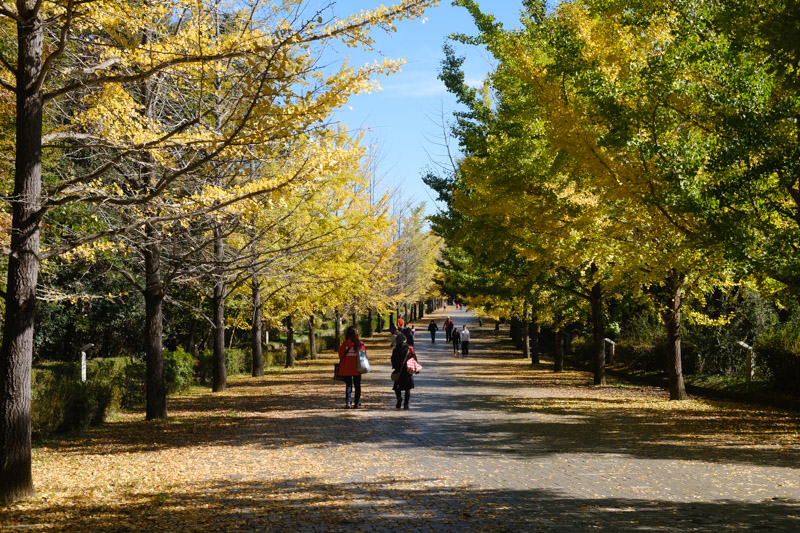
(400, 355)
(409, 335)
(464, 340)
(455, 338)
(348, 367)
(433, 328)
(448, 328)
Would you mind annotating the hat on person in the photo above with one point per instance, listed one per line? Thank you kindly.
(400, 339)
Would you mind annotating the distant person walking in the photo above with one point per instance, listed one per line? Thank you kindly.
(400, 355)
(409, 334)
(455, 338)
(348, 367)
(448, 329)
(433, 328)
(464, 340)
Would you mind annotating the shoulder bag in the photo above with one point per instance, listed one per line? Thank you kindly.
(363, 363)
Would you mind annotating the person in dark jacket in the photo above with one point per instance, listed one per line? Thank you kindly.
(406, 381)
(409, 336)
(433, 328)
(455, 338)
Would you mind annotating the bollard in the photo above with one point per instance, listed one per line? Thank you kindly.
(83, 361)
(748, 376)
(613, 345)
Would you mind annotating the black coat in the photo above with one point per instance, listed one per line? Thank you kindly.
(406, 381)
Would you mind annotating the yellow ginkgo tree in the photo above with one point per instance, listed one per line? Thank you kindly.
(146, 97)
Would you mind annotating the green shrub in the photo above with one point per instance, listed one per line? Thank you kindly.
(302, 350)
(641, 356)
(275, 358)
(132, 384)
(237, 362)
(178, 370)
(328, 343)
(778, 355)
(60, 402)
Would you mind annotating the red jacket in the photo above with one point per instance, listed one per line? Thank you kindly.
(348, 358)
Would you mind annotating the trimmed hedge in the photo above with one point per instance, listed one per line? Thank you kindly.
(777, 353)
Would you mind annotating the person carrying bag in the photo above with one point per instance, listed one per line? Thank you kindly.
(402, 355)
(352, 363)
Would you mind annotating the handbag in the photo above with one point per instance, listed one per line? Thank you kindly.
(413, 366)
(363, 363)
(336, 375)
(396, 373)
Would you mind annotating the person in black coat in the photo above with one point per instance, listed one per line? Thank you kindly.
(408, 335)
(406, 381)
(433, 328)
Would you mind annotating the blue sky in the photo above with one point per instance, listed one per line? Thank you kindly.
(404, 120)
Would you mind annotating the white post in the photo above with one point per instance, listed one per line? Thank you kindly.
(613, 345)
(83, 361)
(748, 376)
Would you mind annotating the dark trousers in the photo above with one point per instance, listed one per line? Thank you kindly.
(447, 335)
(456, 345)
(433, 336)
(464, 348)
(350, 382)
(400, 397)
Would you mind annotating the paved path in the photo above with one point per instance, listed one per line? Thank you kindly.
(526, 450)
(463, 458)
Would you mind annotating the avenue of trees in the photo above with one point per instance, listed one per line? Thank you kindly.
(630, 160)
(178, 154)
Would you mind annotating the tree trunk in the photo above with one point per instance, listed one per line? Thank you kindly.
(421, 310)
(391, 319)
(526, 334)
(598, 324)
(289, 342)
(312, 338)
(672, 320)
(370, 318)
(16, 354)
(405, 313)
(355, 320)
(255, 332)
(558, 365)
(533, 331)
(219, 374)
(156, 388)
(380, 323)
(337, 328)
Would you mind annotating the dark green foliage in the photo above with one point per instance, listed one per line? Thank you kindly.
(111, 324)
(131, 383)
(777, 352)
(237, 362)
(61, 403)
(178, 370)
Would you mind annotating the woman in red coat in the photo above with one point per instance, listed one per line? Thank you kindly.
(348, 366)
